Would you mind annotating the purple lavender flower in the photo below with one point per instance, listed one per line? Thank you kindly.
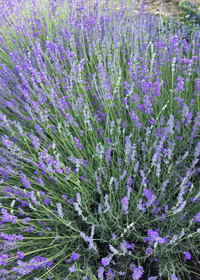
(75, 256)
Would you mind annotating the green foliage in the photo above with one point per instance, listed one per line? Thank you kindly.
(192, 11)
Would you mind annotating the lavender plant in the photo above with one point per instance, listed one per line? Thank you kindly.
(99, 144)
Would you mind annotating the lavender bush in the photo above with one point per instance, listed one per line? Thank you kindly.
(99, 143)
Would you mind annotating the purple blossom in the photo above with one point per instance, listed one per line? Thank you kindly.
(110, 274)
(99, 208)
(119, 161)
(6, 217)
(19, 255)
(99, 151)
(72, 268)
(124, 202)
(123, 175)
(77, 143)
(100, 272)
(148, 250)
(187, 255)
(113, 236)
(124, 125)
(136, 120)
(124, 246)
(107, 205)
(197, 217)
(75, 256)
(173, 277)
(107, 156)
(137, 273)
(153, 236)
(60, 213)
(106, 261)
(113, 249)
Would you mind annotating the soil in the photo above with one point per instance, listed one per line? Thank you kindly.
(154, 6)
